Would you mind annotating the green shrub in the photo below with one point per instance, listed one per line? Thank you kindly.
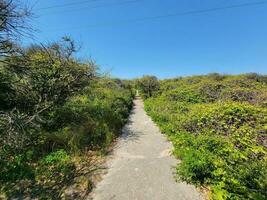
(95, 121)
(240, 95)
(55, 167)
(183, 95)
(223, 118)
(55, 105)
(148, 86)
(211, 91)
(220, 136)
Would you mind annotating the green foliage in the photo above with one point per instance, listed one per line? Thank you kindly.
(148, 86)
(58, 157)
(90, 120)
(218, 127)
(184, 95)
(16, 167)
(54, 108)
(56, 167)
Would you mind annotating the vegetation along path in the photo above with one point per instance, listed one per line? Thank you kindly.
(141, 165)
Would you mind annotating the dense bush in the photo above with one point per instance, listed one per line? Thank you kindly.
(148, 86)
(95, 118)
(54, 108)
(218, 127)
(54, 111)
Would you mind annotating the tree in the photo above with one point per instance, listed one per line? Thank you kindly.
(13, 24)
(148, 85)
(40, 79)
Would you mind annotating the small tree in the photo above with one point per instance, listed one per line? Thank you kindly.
(148, 86)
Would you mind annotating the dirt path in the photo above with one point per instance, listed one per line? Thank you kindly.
(141, 165)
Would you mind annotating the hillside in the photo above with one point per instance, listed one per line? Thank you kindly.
(217, 124)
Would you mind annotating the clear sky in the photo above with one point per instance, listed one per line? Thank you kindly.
(126, 39)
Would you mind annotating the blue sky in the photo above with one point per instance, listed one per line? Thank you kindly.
(227, 41)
